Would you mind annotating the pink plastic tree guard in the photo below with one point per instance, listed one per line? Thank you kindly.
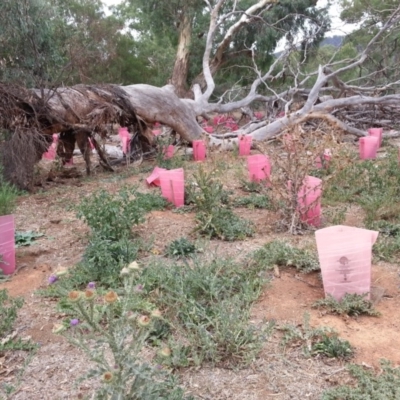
(156, 132)
(154, 178)
(259, 167)
(325, 160)
(259, 115)
(244, 145)
(288, 142)
(309, 200)
(52, 151)
(220, 119)
(173, 186)
(376, 132)
(199, 150)
(169, 151)
(7, 244)
(126, 140)
(123, 132)
(231, 124)
(345, 255)
(208, 129)
(368, 146)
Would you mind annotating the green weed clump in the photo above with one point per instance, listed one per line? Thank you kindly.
(283, 254)
(372, 184)
(163, 162)
(9, 307)
(208, 304)
(9, 311)
(181, 247)
(214, 217)
(316, 341)
(351, 304)
(111, 216)
(385, 386)
(120, 322)
(253, 201)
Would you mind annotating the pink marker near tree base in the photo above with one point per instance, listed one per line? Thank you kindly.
(52, 151)
(376, 132)
(199, 150)
(7, 244)
(323, 162)
(259, 168)
(173, 186)
(345, 256)
(169, 151)
(309, 201)
(368, 146)
(123, 132)
(244, 145)
(154, 178)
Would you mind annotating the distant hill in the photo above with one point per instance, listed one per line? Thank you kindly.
(336, 41)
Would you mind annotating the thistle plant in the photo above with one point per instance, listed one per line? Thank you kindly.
(112, 330)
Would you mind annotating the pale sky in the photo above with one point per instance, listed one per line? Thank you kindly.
(339, 28)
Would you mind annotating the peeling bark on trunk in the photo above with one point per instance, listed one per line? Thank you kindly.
(181, 66)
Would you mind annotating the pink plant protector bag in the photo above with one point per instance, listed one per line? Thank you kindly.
(325, 160)
(154, 178)
(259, 167)
(7, 244)
(368, 146)
(173, 186)
(169, 151)
(345, 255)
(376, 132)
(52, 151)
(309, 200)
(199, 150)
(244, 145)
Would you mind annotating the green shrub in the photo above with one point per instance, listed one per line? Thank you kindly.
(222, 223)
(281, 253)
(111, 216)
(213, 217)
(103, 259)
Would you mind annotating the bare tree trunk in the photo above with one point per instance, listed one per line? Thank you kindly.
(181, 66)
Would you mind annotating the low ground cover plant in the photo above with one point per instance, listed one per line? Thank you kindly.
(369, 386)
(351, 304)
(315, 341)
(283, 254)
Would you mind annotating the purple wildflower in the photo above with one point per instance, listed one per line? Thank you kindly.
(138, 288)
(74, 322)
(91, 285)
(53, 279)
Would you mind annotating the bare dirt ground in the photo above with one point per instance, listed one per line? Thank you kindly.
(277, 373)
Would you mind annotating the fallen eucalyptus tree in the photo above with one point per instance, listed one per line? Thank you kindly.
(47, 111)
